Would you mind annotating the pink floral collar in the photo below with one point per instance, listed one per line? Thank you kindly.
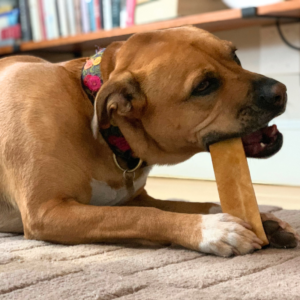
(92, 81)
(91, 75)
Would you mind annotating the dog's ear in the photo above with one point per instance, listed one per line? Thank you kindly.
(108, 62)
(120, 96)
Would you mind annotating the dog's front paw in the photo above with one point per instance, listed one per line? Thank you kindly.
(279, 233)
(225, 235)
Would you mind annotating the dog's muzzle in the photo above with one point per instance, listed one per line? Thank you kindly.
(270, 97)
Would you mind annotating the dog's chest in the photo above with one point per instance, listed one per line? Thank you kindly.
(104, 195)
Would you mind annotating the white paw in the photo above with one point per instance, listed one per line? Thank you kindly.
(225, 235)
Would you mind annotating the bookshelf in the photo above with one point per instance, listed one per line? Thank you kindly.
(214, 21)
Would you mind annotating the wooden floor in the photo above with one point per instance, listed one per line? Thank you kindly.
(206, 191)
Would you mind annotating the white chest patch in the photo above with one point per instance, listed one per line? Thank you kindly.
(104, 195)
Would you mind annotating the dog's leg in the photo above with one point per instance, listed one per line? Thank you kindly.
(175, 206)
(280, 234)
(69, 222)
(10, 218)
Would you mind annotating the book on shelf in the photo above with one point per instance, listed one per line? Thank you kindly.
(91, 15)
(42, 19)
(24, 20)
(35, 23)
(71, 17)
(97, 12)
(5, 8)
(78, 21)
(51, 19)
(11, 32)
(115, 12)
(9, 18)
(84, 16)
(37, 20)
(107, 14)
(130, 8)
(123, 14)
(61, 6)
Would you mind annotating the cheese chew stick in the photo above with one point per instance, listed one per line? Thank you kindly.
(234, 184)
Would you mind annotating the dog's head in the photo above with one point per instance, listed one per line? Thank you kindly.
(174, 92)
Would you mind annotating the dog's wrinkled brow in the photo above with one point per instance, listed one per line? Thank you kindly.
(230, 46)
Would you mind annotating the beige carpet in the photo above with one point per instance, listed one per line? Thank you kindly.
(38, 270)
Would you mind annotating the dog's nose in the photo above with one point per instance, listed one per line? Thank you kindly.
(274, 93)
(270, 94)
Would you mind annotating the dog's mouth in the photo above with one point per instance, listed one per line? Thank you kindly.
(263, 143)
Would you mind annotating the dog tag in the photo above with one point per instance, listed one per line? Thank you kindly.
(128, 178)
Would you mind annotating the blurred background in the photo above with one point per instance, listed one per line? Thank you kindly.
(59, 30)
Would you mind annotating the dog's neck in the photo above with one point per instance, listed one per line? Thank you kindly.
(92, 81)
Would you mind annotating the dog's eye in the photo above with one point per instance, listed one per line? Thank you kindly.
(201, 87)
(205, 87)
(236, 59)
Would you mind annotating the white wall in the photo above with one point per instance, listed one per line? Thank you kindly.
(261, 50)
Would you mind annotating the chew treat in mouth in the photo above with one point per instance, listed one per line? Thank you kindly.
(234, 184)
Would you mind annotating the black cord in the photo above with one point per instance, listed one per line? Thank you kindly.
(283, 37)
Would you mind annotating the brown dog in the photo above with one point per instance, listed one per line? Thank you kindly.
(170, 93)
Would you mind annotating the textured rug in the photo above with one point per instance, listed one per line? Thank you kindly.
(39, 270)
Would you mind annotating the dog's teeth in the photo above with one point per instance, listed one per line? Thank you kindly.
(263, 145)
